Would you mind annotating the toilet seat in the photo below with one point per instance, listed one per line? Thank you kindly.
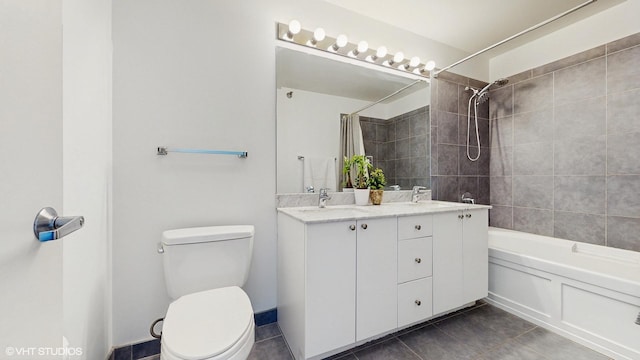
(207, 325)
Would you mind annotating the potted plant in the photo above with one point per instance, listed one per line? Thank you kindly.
(363, 166)
(377, 183)
(347, 185)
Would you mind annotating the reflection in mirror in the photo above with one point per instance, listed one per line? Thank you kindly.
(315, 92)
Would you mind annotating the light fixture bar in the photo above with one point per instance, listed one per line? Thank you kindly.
(361, 51)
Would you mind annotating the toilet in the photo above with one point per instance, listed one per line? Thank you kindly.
(211, 317)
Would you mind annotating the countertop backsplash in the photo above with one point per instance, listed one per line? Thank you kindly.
(342, 198)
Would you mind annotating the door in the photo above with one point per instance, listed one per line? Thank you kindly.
(447, 261)
(475, 255)
(330, 286)
(377, 277)
(30, 176)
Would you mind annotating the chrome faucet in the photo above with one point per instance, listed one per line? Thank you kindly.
(323, 197)
(415, 194)
(467, 199)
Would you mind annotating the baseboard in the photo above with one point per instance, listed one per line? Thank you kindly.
(152, 347)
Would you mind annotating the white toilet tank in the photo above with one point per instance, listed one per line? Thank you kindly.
(204, 258)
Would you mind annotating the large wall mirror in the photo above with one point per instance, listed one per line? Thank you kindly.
(314, 92)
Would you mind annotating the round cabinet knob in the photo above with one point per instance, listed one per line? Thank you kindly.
(364, 226)
(418, 227)
(418, 302)
(460, 216)
(418, 260)
(468, 216)
(352, 227)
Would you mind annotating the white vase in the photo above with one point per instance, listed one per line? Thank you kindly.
(362, 196)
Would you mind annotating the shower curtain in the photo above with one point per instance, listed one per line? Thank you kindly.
(351, 142)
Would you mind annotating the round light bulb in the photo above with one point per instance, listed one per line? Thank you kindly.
(398, 57)
(294, 27)
(415, 61)
(430, 65)
(363, 46)
(341, 40)
(381, 52)
(319, 34)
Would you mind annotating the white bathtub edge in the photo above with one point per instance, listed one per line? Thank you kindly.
(575, 302)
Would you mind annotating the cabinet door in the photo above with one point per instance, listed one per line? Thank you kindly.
(475, 257)
(330, 286)
(377, 302)
(447, 262)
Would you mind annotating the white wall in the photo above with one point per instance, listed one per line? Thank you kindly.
(30, 174)
(308, 125)
(86, 53)
(408, 103)
(609, 25)
(201, 74)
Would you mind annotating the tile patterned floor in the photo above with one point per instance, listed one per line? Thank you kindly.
(482, 332)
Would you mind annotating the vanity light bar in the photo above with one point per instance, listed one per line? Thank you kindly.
(340, 45)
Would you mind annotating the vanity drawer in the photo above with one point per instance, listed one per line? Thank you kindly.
(414, 301)
(410, 227)
(414, 258)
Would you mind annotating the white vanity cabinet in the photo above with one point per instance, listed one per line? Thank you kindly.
(460, 262)
(344, 282)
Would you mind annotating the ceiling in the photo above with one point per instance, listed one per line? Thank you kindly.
(472, 25)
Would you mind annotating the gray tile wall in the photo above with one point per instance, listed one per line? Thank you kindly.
(452, 173)
(565, 148)
(399, 147)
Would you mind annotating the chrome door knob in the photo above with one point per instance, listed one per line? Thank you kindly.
(460, 216)
(418, 302)
(418, 227)
(352, 227)
(364, 226)
(418, 260)
(468, 216)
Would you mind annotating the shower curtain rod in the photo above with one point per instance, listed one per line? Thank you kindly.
(435, 74)
(386, 97)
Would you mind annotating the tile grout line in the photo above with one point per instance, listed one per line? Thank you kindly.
(269, 338)
(528, 347)
(606, 147)
(553, 156)
(408, 347)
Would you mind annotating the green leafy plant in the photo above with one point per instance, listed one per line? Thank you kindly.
(346, 171)
(377, 181)
(363, 166)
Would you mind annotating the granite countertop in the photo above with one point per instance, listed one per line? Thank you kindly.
(314, 214)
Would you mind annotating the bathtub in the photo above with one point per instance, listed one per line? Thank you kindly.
(587, 293)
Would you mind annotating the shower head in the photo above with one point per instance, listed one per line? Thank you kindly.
(499, 82)
(483, 95)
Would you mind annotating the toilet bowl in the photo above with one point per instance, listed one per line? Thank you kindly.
(209, 325)
(211, 317)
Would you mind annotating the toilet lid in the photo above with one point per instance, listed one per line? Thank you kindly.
(207, 323)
